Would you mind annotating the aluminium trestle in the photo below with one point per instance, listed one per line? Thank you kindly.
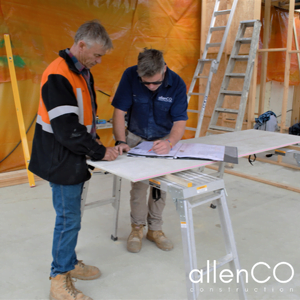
(202, 189)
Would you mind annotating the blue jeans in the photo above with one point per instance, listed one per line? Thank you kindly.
(66, 202)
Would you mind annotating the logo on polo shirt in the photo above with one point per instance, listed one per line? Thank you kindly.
(165, 99)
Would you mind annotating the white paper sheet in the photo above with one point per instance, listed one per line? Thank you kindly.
(203, 151)
(182, 150)
(143, 149)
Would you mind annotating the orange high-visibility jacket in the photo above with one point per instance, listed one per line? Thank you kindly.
(62, 138)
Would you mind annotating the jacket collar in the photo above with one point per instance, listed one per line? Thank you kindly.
(69, 61)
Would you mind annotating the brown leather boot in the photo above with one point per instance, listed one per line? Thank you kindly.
(85, 272)
(159, 238)
(134, 241)
(62, 288)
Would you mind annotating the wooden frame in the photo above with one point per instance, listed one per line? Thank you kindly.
(290, 5)
(252, 93)
(265, 50)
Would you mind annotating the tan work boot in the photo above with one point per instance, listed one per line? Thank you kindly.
(62, 288)
(85, 272)
(159, 238)
(134, 241)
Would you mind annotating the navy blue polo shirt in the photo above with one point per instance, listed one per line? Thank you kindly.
(151, 114)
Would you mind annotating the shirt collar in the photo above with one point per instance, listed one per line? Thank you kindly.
(79, 66)
(168, 78)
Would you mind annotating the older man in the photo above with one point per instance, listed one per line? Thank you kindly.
(65, 136)
(154, 98)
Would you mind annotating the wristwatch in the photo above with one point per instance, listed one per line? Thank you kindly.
(119, 142)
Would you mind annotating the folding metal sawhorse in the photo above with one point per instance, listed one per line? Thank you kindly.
(195, 189)
(191, 190)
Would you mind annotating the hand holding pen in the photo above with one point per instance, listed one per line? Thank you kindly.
(161, 147)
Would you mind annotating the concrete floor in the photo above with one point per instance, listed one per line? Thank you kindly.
(265, 221)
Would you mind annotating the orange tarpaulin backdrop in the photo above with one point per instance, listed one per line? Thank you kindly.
(39, 29)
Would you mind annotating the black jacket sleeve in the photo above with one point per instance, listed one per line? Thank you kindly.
(57, 92)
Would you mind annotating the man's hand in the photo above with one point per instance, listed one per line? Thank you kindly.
(122, 147)
(161, 147)
(111, 154)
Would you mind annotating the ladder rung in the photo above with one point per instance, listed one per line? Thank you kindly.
(205, 61)
(193, 111)
(240, 57)
(227, 110)
(201, 77)
(221, 128)
(219, 263)
(231, 93)
(248, 23)
(213, 45)
(236, 75)
(222, 12)
(217, 28)
(244, 40)
(214, 131)
(190, 128)
(199, 94)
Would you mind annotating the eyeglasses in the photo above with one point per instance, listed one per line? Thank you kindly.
(154, 82)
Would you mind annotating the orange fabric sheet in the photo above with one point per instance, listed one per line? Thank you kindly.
(39, 29)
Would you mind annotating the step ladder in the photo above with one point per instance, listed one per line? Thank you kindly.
(214, 63)
(189, 190)
(243, 94)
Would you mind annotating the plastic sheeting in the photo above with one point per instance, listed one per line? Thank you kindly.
(39, 29)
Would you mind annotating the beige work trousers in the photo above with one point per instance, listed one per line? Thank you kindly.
(138, 198)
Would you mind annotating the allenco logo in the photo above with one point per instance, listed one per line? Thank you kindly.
(226, 275)
(165, 99)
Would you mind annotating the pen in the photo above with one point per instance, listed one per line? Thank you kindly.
(150, 150)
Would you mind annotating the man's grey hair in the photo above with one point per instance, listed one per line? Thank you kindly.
(150, 63)
(92, 32)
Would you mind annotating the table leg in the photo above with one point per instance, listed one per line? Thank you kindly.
(221, 169)
(116, 204)
(83, 196)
